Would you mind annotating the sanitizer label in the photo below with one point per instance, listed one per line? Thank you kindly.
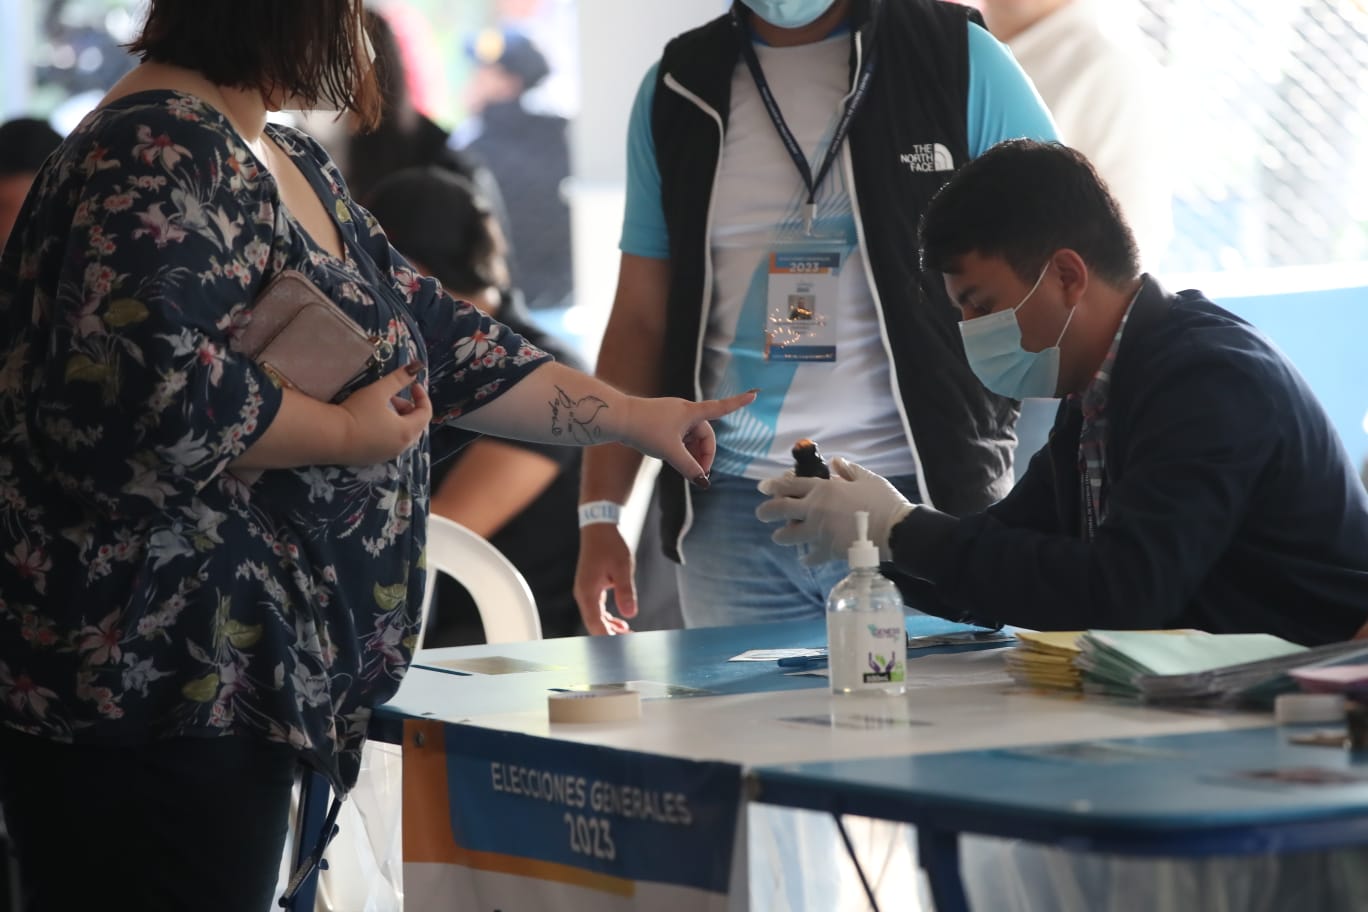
(866, 650)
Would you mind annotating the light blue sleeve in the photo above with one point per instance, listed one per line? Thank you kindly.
(1003, 102)
(643, 224)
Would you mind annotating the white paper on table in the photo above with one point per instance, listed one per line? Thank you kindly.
(774, 655)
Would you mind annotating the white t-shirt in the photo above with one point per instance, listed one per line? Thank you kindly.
(1108, 98)
(847, 405)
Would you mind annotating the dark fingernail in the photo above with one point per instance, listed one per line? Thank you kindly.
(702, 481)
(413, 367)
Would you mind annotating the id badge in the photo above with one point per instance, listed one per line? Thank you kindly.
(800, 313)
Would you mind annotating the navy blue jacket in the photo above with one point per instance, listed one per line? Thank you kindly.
(1232, 505)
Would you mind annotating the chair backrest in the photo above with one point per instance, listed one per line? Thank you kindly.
(507, 608)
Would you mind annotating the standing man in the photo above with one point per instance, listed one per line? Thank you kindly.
(778, 160)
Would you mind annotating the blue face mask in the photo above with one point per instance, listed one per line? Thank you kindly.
(789, 14)
(993, 346)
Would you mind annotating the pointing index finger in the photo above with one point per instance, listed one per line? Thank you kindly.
(717, 408)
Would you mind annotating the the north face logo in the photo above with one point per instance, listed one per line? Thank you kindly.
(928, 157)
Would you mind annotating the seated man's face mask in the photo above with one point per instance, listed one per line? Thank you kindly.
(993, 346)
(789, 13)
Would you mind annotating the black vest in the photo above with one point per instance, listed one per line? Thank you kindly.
(917, 99)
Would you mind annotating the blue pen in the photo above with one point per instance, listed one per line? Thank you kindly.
(803, 663)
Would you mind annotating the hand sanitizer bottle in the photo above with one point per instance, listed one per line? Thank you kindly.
(866, 639)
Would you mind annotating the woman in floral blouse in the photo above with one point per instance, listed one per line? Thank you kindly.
(174, 640)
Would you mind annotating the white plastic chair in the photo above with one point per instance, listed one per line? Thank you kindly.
(507, 609)
(364, 870)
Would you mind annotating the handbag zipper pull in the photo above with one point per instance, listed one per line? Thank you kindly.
(384, 350)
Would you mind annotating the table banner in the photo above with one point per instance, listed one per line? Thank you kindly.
(499, 821)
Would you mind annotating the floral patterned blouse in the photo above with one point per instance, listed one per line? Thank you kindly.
(145, 591)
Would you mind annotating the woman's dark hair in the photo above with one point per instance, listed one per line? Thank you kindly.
(1022, 200)
(310, 49)
(440, 220)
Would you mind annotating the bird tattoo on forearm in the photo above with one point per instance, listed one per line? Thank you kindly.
(577, 418)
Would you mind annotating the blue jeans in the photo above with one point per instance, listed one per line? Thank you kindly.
(734, 574)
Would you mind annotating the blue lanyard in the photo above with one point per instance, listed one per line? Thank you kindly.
(795, 151)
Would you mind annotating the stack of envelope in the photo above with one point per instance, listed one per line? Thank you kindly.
(1180, 665)
(1045, 660)
(1067, 660)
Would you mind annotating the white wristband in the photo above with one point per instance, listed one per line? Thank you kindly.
(599, 511)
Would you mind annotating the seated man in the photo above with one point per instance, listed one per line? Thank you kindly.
(1191, 478)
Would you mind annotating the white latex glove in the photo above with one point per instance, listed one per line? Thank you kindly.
(820, 513)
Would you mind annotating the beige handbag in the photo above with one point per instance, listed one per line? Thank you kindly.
(305, 341)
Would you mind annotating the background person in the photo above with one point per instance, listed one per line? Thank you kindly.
(25, 143)
(1108, 97)
(404, 137)
(529, 156)
(173, 642)
(519, 495)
